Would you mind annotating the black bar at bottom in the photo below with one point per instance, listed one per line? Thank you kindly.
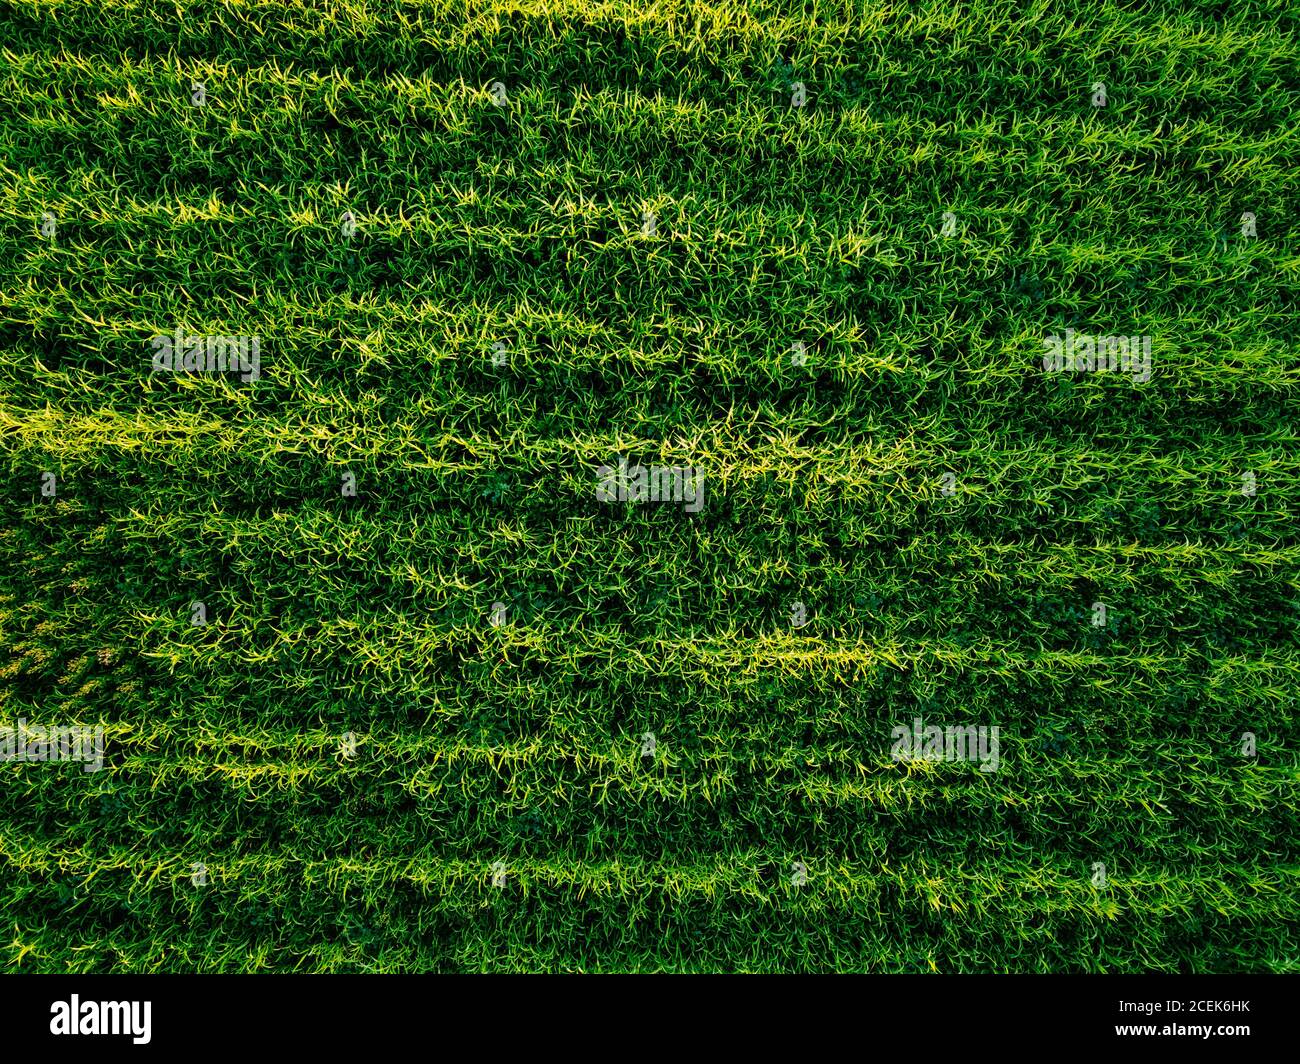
(591, 1015)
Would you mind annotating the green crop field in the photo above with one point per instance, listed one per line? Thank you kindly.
(571, 486)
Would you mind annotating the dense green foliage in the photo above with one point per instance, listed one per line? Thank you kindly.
(964, 602)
